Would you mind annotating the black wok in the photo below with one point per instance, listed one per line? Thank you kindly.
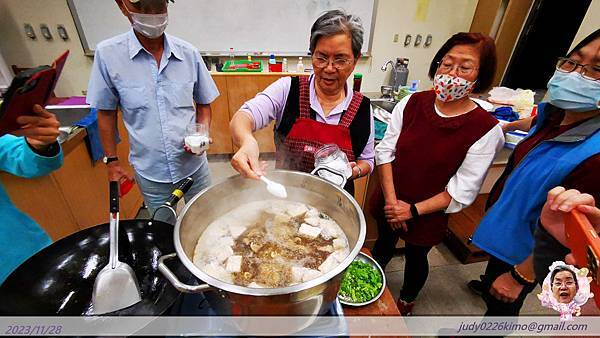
(59, 280)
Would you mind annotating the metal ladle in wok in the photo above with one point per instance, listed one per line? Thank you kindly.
(116, 286)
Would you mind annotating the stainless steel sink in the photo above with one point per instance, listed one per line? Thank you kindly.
(65, 133)
(384, 104)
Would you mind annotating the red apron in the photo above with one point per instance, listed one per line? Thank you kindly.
(307, 135)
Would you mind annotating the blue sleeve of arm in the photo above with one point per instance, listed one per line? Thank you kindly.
(539, 119)
(205, 90)
(18, 159)
(101, 93)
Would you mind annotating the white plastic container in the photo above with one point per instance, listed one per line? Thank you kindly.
(300, 67)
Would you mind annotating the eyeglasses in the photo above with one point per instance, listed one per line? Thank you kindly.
(323, 62)
(590, 72)
(568, 283)
(446, 66)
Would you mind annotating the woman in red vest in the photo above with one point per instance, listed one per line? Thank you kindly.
(434, 157)
(311, 111)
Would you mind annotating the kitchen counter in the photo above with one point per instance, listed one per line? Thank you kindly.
(75, 137)
(502, 158)
(372, 95)
(77, 134)
(280, 74)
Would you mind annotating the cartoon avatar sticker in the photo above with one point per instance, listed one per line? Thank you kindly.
(566, 289)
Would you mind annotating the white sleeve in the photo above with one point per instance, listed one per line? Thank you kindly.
(386, 149)
(464, 186)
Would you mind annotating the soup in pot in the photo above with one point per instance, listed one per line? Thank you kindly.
(271, 244)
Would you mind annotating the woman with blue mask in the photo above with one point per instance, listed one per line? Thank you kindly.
(562, 149)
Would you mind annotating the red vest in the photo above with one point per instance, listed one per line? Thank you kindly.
(297, 151)
(429, 152)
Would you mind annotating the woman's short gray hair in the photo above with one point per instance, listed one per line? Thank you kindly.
(335, 22)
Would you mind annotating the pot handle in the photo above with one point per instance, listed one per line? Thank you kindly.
(179, 285)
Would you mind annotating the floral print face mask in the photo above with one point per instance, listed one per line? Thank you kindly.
(451, 88)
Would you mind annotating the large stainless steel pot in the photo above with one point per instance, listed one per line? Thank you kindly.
(309, 298)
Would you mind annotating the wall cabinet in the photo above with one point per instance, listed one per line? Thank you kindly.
(219, 127)
(236, 89)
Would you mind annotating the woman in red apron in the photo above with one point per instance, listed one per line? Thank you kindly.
(312, 111)
(434, 157)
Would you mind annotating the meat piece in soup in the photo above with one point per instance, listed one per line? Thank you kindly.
(271, 244)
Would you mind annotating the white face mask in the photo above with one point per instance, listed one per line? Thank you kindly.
(151, 26)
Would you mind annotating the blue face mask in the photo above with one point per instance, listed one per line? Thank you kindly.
(573, 92)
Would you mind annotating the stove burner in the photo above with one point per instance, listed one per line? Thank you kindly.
(197, 305)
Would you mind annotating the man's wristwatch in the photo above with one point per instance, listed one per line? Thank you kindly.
(107, 160)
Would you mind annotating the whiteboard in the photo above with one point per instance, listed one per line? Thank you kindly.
(213, 26)
(5, 75)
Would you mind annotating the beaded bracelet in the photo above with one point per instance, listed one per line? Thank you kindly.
(520, 278)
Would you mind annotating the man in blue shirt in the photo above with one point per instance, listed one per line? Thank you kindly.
(31, 151)
(161, 85)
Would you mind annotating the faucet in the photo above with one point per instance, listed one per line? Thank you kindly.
(384, 67)
(395, 85)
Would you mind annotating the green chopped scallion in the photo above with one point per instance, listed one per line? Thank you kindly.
(361, 282)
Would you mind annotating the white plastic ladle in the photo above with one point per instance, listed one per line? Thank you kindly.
(276, 189)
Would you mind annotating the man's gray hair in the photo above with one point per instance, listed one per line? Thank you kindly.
(335, 22)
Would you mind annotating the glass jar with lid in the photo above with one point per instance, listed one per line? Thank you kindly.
(332, 157)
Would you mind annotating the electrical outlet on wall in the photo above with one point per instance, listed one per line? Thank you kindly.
(418, 40)
(45, 31)
(428, 40)
(29, 31)
(62, 32)
(396, 36)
